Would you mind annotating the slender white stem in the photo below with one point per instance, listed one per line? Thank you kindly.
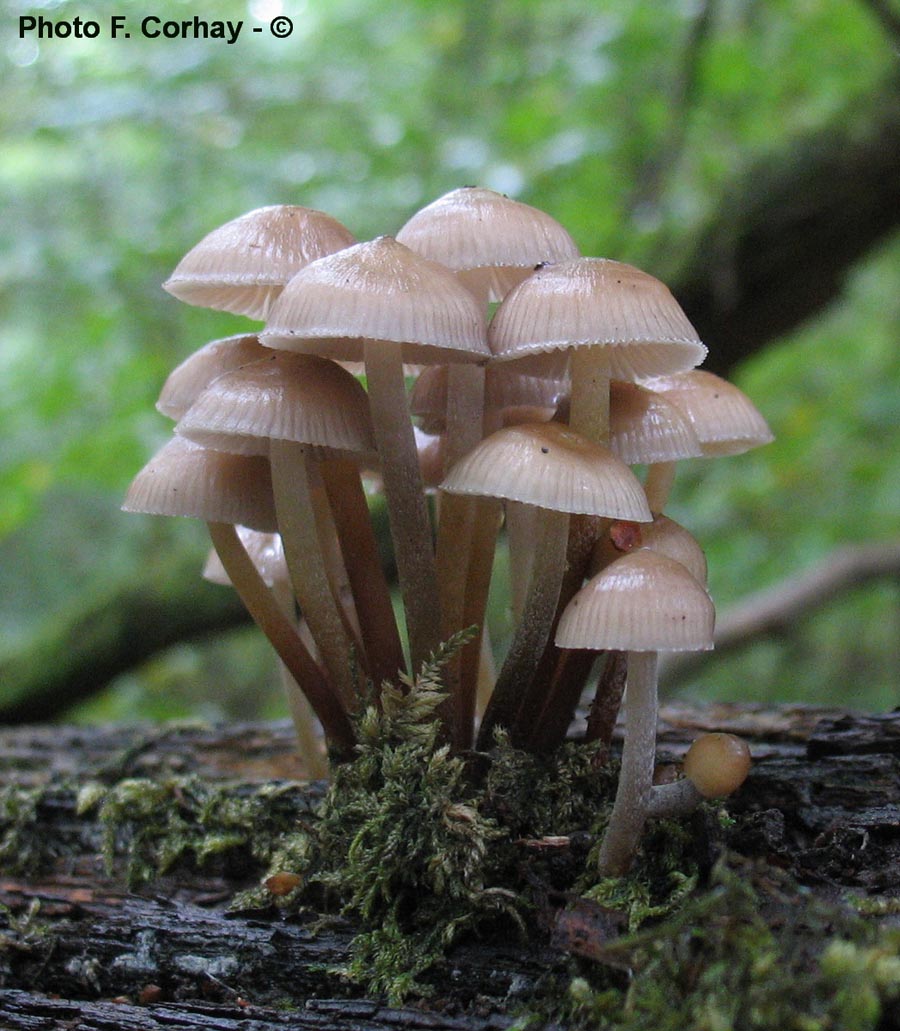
(623, 834)
(407, 511)
(371, 595)
(520, 536)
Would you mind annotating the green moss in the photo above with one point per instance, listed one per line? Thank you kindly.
(23, 847)
(185, 820)
(752, 951)
(419, 847)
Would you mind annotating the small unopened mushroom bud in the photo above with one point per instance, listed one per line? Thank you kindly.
(717, 764)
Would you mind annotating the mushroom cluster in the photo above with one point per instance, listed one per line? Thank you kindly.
(528, 422)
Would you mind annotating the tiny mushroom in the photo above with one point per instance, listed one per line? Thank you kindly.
(725, 420)
(185, 479)
(615, 321)
(188, 380)
(309, 416)
(715, 766)
(642, 603)
(382, 303)
(548, 466)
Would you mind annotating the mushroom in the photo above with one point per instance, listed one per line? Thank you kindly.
(491, 242)
(308, 415)
(381, 302)
(725, 420)
(715, 766)
(186, 479)
(243, 265)
(549, 466)
(188, 380)
(642, 603)
(615, 321)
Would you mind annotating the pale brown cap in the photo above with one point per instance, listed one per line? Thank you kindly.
(430, 447)
(184, 479)
(243, 265)
(725, 420)
(547, 465)
(643, 601)
(266, 552)
(188, 380)
(717, 764)
(491, 241)
(645, 428)
(286, 397)
(663, 535)
(379, 290)
(629, 318)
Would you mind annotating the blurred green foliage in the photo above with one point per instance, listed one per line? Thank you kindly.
(626, 121)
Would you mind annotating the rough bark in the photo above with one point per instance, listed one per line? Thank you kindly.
(821, 801)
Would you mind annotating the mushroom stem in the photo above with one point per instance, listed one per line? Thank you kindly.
(676, 799)
(456, 525)
(520, 539)
(630, 808)
(407, 511)
(484, 539)
(589, 406)
(282, 634)
(295, 511)
(534, 628)
(371, 595)
(308, 741)
(607, 700)
(658, 485)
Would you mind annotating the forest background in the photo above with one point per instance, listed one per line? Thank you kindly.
(747, 153)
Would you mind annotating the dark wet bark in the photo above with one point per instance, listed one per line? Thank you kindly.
(821, 802)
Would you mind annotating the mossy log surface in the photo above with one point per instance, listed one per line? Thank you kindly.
(81, 950)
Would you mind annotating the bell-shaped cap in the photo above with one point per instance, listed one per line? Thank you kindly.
(629, 319)
(266, 551)
(185, 479)
(491, 241)
(547, 465)
(725, 420)
(243, 265)
(285, 396)
(644, 428)
(663, 535)
(643, 601)
(188, 380)
(378, 290)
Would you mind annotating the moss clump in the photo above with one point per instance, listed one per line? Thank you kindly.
(24, 847)
(184, 820)
(404, 845)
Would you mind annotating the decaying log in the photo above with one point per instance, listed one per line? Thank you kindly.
(80, 950)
